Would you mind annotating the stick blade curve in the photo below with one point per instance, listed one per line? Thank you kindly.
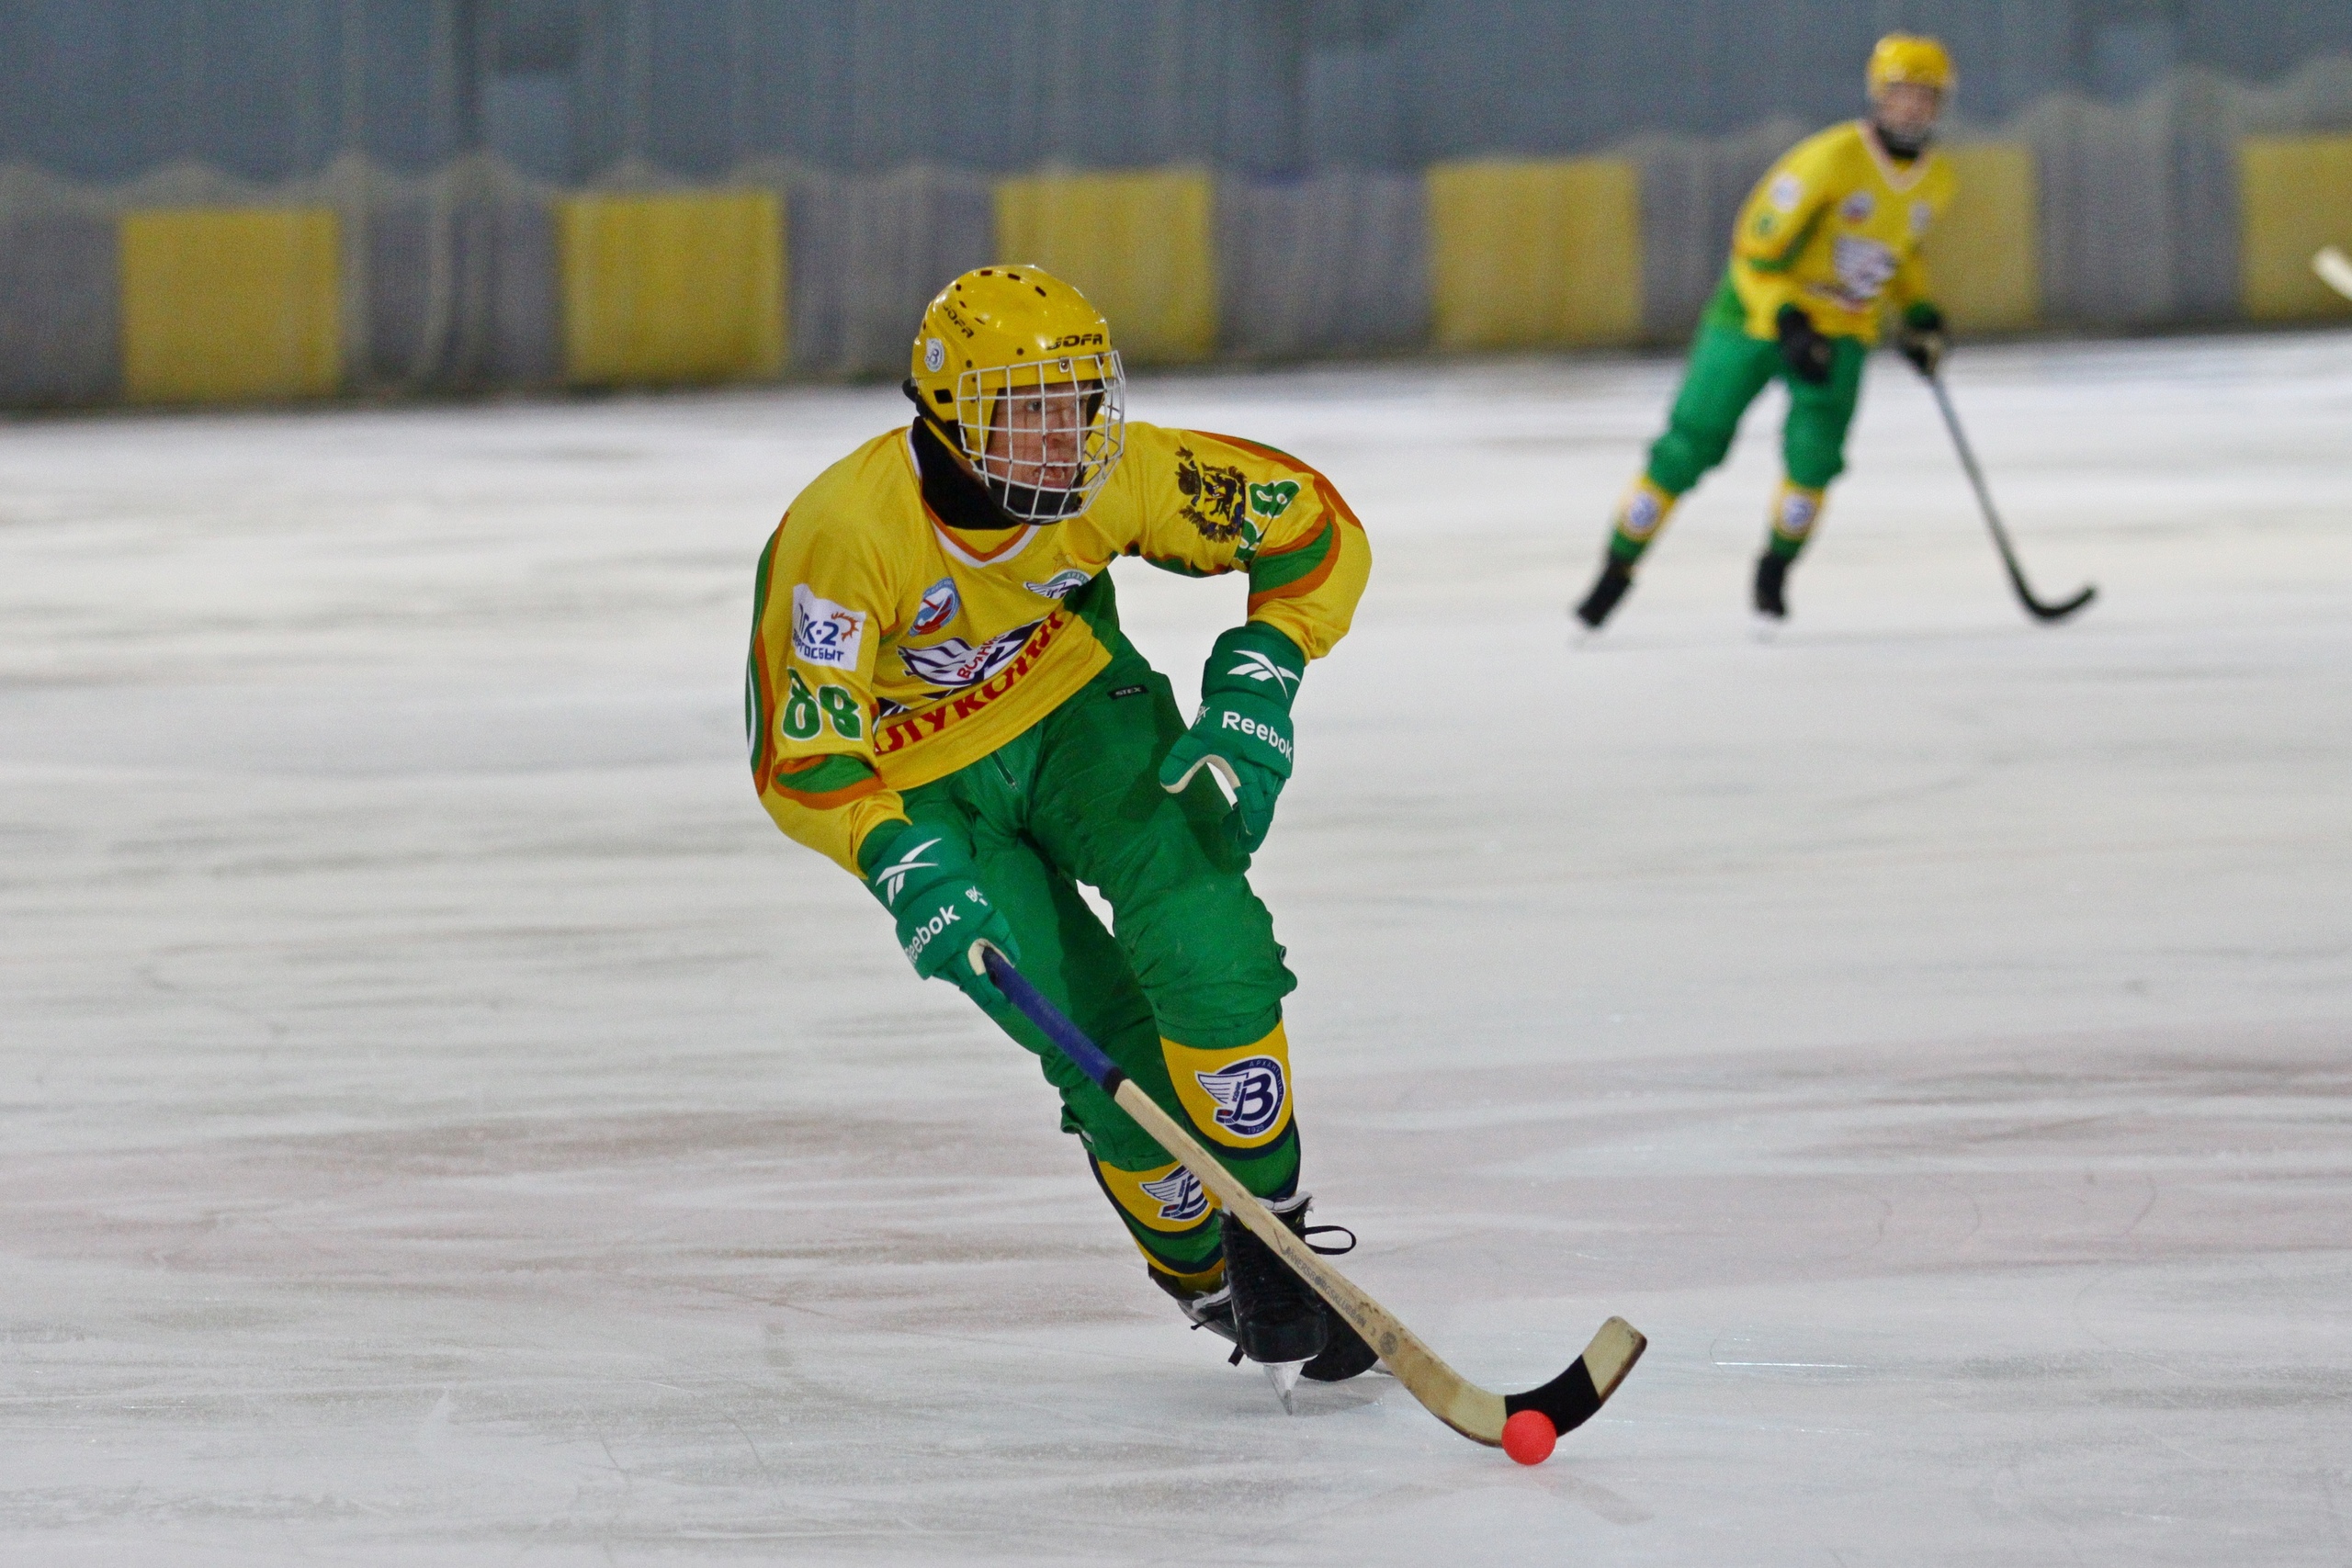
(1573, 1398)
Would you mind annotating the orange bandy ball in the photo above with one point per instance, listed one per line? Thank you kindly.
(1528, 1437)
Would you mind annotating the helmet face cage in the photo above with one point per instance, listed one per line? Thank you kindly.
(1058, 426)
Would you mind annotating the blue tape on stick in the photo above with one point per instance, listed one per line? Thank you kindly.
(1060, 1030)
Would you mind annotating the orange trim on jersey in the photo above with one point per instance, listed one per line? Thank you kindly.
(1324, 489)
(1305, 542)
(1333, 506)
(824, 800)
(1011, 547)
(764, 759)
(949, 537)
(1303, 586)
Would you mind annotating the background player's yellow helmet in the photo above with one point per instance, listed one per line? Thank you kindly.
(1014, 347)
(1909, 58)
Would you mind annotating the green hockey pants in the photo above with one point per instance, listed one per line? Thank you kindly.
(1727, 369)
(1186, 997)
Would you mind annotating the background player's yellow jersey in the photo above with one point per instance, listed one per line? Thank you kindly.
(889, 649)
(1836, 228)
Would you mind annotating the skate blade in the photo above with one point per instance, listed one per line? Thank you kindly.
(1283, 1375)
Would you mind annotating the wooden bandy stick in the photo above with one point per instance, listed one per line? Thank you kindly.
(1568, 1401)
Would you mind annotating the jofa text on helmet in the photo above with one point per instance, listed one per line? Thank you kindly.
(1075, 340)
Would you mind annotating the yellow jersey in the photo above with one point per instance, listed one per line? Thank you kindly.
(1835, 227)
(889, 648)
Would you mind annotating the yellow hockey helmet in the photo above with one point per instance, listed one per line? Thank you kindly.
(1020, 372)
(1910, 58)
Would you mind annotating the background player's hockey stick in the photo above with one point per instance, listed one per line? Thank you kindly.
(2334, 269)
(2034, 607)
(1568, 1401)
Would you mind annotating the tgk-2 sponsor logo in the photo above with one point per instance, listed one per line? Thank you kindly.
(823, 632)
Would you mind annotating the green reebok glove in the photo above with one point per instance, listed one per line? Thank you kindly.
(1242, 733)
(927, 879)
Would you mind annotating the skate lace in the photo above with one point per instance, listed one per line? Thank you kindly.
(1311, 1232)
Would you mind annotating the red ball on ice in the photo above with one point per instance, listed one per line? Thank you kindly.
(1528, 1437)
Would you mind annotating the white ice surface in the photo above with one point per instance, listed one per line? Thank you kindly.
(441, 1121)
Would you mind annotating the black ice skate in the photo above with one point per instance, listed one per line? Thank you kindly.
(1772, 575)
(1278, 1321)
(1212, 1310)
(1607, 589)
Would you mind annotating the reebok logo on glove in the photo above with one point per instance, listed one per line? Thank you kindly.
(1242, 729)
(934, 890)
(1264, 732)
(925, 932)
(1256, 665)
(892, 877)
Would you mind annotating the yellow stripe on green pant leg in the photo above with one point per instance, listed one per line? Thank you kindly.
(1640, 516)
(1795, 508)
(1238, 1099)
(1172, 1218)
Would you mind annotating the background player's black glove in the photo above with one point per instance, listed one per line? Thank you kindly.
(1243, 730)
(1922, 339)
(1807, 353)
(927, 879)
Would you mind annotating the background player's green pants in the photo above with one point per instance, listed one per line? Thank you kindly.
(1727, 369)
(1187, 997)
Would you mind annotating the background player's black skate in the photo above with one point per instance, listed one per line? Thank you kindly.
(1772, 577)
(1607, 589)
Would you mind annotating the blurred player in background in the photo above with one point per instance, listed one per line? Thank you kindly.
(940, 699)
(1827, 239)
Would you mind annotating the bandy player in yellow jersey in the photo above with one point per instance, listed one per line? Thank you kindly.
(940, 700)
(1829, 240)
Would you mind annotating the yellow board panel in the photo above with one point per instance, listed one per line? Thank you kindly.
(1985, 254)
(2295, 196)
(1140, 246)
(669, 288)
(219, 305)
(1523, 255)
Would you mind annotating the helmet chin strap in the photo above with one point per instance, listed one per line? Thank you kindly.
(948, 433)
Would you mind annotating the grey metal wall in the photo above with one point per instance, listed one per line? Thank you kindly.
(103, 90)
(441, 132)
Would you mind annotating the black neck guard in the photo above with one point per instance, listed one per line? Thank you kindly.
(1902, 149)
(953, 492)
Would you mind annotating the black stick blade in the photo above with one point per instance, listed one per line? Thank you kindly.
(2042, 611)
(1571, 1399)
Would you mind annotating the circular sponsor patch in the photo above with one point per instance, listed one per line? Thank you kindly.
(1249, 1095)
(934, 355)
